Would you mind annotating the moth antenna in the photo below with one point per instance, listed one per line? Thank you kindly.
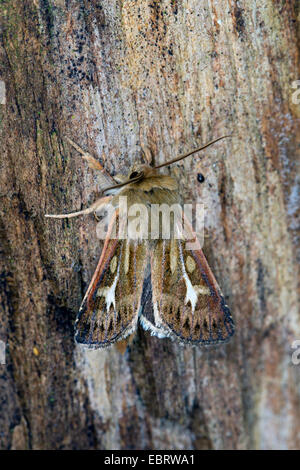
(132, 180)
(92, 208)
(192, 152)
(92, 162)
(68, 216)
(141, 175)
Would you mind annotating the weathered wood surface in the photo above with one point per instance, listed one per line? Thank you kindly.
(112, 75)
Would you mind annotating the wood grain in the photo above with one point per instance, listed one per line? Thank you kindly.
(113, 76)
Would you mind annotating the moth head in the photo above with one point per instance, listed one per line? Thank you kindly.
(145, 169)
(140, 170)
(137, 173)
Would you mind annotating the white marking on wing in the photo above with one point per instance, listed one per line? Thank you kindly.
(192, 292)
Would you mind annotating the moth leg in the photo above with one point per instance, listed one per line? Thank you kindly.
(147, 154)
(93, 208)
(121, 345)
(91, 161)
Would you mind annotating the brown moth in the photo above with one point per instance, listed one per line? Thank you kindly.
(159, 282)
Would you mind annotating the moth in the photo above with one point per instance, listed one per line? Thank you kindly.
(160, 283)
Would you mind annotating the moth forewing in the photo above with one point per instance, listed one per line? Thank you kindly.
(187, 301)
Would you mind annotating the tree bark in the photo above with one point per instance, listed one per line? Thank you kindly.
(114, 75)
